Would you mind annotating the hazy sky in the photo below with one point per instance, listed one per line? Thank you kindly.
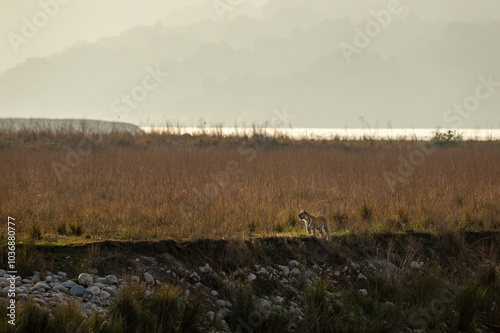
(261, 56)
(80, 20)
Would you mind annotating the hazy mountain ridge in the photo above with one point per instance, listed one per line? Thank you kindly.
(291, 58)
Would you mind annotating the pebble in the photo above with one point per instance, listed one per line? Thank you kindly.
(39, 301)
(93, 290)
(223, 313)
(111, 279)
(148, 278)
(99, 280)
(220, 302)
(251, 277)
(293, 263)
(60, 287)
(41, 285)
(363, 292)
(110, 290)
(105, 295)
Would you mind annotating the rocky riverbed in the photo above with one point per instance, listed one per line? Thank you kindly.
(350, 280)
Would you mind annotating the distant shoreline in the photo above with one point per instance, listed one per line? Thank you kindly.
(38, 124)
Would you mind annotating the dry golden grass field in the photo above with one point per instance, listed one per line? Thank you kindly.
(68, 186)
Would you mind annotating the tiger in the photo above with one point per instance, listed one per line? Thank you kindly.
(314, 223)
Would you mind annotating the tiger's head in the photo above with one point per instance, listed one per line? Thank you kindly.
(303, 215)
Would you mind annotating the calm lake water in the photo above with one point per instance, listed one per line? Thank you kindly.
(345, 133)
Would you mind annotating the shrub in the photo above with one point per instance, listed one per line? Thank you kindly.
(61, 229)
(36, 232)
(366, 211)
(75, 229)
(33, 319)
(446, 139)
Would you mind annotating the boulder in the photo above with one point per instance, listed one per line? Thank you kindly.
(85, 280)
(77, 290)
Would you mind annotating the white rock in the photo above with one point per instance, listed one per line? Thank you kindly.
(295, 271)
(263, 304)
(251, 277)
(48, 279)
(105, 295)
(278, 299)
(210, 315)
(111, 279)
(59, 297)
(293, 263)
(223, 313)
(149, 278)
(363, 292)
(220, 302)
(195, 277)
(93, 290)
(416, 265)
(214, 293)
(361, 277)
(85, 279)
(99, 280)
(285, 271)
(135, 279)
(110, 290)
(62, 274)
